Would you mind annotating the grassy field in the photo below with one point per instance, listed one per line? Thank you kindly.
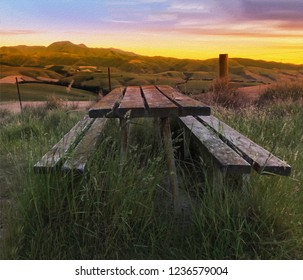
(32, 72)
(190, 81)
(42, 92)
(122, 212)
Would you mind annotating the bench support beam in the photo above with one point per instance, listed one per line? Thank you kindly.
(220, 179)
(171, 166)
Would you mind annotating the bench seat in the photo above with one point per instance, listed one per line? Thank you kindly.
(225, 157)
(231, 151)
(74, 148)
(84, 149)
(261, 160)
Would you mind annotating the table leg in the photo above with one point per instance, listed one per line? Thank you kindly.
(157, 130)
(169, 153)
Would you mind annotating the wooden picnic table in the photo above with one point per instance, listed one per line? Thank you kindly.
(162, 102)
(147, 101)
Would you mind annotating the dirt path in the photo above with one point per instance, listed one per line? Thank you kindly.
(252, 93)
(247, 95)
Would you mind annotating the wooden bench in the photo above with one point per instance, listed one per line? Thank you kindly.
(231, 152)
(73, 150)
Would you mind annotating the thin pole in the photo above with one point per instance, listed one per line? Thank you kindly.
(18, 90)
(109, 81)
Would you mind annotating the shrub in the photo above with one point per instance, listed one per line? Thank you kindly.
(54, 102)
(223, 93)
(5, 116)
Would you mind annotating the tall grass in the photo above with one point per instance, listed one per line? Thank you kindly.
(121, 210)
(277, 200)
(285, 92)
(222, 93)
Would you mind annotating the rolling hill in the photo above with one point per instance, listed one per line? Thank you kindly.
(63, 62)
(67, 53)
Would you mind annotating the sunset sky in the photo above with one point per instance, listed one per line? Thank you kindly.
(201, 29)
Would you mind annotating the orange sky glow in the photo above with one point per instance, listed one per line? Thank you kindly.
(200, 29)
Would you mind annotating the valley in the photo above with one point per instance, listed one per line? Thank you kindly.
(82, 68)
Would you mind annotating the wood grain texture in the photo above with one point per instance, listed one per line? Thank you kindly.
(186, 105)
(108, 105)
(77, 160)
(261, 160)
(158, 105)
(226, 158)
(132, 103)
(54, 156)
(148, 101)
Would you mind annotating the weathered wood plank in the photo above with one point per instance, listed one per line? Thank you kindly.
(261, 160)
(132, 103)
(53, 157)
(78, 158)
(186, 105)
(158, 105)
(226, 158)
(108, 105)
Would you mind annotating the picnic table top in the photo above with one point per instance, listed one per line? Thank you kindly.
(147, 101)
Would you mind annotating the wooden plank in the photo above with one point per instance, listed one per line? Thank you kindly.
(53, 157)
(261, 160)
(90, 141)
(132, 103)
(158, 105)
(187, 105)
(107, 106)
(227, 159)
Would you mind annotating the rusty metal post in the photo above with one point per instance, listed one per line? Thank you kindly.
(223, 66)
(109, 79)
(19, 95)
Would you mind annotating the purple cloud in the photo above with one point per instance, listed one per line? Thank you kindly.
(273, 10)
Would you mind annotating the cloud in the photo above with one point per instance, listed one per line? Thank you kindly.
(244, 30)
(243, 18)
(292, 25)
(189, 6)
(163, 17)
(18, 32)
(289, 10)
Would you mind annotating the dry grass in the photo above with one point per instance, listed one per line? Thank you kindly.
(104, 217)
(282, 92)
(54, 102)
(223, 93)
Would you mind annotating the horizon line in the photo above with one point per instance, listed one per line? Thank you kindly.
(163, 56)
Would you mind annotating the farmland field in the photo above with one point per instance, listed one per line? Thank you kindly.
(41, 92)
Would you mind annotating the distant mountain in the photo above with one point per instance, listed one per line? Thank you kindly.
(67, 47)
(69, 54)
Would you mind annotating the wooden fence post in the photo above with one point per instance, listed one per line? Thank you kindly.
(223, 66)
